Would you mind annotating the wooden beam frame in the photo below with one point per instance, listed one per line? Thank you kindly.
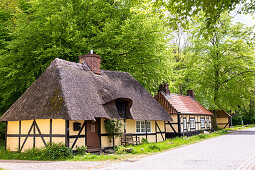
(67, 133)
(160, 131)
(19, 135)
(28, 135)
(82, 127)
(6, 125)
(50, 131)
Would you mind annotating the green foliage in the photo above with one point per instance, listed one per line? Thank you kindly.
(182, 11)
(129, 36)
(2, 130)
(219, 66)
(113, 127)
(56, 152)
(49, 152)
(144, 141)
(81, 150)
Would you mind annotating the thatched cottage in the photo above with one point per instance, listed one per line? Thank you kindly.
(70, 102)
(189, 116)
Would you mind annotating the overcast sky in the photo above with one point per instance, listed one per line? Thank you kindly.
(245, 19)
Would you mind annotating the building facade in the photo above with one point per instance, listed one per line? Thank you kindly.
(189, 116)
(70, 102)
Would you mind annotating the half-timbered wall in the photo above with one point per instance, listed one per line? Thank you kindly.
(177, 125)
(76, 138)
(25, 134)
(222, 122)
(157, 133)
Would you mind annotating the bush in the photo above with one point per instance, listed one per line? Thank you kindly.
(81, 150)
(2, 130)
(57, 151)
(144, 141)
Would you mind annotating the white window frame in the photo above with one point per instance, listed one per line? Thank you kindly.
(141, 128)
(202, 122)
(184, 123)
(208, 122)
(194, 124)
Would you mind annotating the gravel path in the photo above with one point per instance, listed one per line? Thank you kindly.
(48, 165)
(233, 151)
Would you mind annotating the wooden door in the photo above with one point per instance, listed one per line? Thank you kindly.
(93, 134)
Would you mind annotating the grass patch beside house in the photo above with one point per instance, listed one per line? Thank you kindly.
(122, 152)
(240, 127)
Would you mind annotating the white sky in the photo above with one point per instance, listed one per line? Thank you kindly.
(245, 19)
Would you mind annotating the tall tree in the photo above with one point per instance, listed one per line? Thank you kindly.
(129, 37)
(221, 66)
(182, 10)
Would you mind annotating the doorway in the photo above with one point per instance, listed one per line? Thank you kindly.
(93, 131)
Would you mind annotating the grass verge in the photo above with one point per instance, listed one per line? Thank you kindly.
(240, 127)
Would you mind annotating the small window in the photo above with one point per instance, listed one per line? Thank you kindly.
(76, 126)
(93, 128)
(184, 123)
(140, 126)
(202, 121)
(122, 108)
(208, 122)
(192, 123)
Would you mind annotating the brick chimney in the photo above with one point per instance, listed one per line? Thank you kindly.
(190, 93)
(165, 87)
(92, 60)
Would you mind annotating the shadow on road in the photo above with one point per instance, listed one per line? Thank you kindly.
(243, 132)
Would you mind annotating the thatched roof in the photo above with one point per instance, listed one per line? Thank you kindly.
(70, 91)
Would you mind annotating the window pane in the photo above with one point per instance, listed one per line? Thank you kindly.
(192, 123)
(148, 126)
(142, 124)
(184, 123)
(142, 129)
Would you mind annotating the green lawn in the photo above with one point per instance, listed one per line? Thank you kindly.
(120, 154)
(240, 127)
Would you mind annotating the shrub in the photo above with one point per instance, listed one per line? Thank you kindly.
(81, 150)
(57, 151)
(113, 128)
(144, 141)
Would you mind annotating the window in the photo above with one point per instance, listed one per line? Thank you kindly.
(76, 126)
(184, 123)
(208, 122)
(122, 108)
(140, 126)
(192, 123)
(202, 121)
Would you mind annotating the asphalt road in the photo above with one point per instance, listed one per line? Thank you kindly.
(232, 151)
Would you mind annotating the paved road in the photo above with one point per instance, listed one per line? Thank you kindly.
(233, 151)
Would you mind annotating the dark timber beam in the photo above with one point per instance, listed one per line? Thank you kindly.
(39, 131)
(19, 134)
(27, 136)
(50, 131)
(172, 127)
(67, 133)
(83, 125)
(160, 131)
